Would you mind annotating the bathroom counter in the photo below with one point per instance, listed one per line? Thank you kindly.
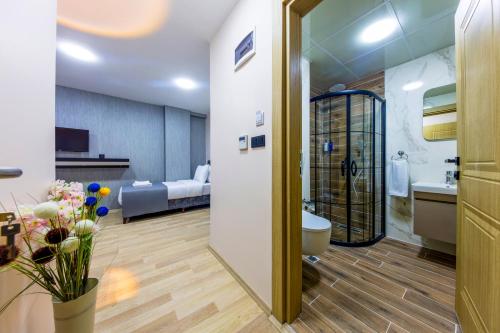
(439, 188)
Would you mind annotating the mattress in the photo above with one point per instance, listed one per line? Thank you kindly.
(184, 189)
(206, 189)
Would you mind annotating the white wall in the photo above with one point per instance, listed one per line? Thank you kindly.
(27, 95)
(241, 181)
(404, 132)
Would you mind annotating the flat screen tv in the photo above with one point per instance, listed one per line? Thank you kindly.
(72, 139)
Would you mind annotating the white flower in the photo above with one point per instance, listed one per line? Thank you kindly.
(70, 244)
(46, 210)
(84, 227)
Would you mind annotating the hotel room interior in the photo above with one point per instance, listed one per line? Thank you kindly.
(249, 166)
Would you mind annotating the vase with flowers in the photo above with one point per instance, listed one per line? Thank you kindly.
(55, 251)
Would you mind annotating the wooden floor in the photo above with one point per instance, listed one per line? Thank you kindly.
(157, 275)
(387, 287)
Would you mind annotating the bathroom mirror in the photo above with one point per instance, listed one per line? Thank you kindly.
(440, 113)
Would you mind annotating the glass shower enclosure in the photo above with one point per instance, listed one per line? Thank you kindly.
(348, 165)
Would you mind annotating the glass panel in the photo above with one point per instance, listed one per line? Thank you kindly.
(327, 173)
(379, 163)
(360, 168)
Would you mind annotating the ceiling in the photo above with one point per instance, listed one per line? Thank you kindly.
(142, 47)
(331, 34)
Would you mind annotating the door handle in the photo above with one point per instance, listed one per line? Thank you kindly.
(7, 172)
(342, 167)
(354, 168)
(455, 160)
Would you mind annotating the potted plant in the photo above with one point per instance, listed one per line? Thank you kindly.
(55, 252)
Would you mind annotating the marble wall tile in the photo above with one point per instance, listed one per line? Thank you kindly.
(404, 132)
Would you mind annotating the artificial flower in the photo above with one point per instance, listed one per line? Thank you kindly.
(104, 191)
(90, 201)
(93, 187)
(56, 236)
(70, 244)
(46, 210)
(43, 255)
(102, 211)
(84, 227)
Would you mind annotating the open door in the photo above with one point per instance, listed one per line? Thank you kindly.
(477, 25)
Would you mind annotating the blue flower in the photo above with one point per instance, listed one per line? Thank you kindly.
(90, 201)
(94, 187)
(102, 211)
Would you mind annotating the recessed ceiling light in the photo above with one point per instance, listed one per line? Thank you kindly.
(378, 30)
(184, 83)
(77, 51)
(412, 85)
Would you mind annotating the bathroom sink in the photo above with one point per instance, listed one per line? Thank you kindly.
(440, 188)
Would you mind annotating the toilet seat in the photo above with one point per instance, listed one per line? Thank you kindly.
(314, 223)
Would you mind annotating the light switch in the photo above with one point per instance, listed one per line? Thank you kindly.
(259, 118)
(258, 141)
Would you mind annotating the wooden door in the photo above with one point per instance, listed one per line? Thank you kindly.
(477, 26)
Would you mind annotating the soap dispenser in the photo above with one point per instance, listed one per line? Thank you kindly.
(326, 147)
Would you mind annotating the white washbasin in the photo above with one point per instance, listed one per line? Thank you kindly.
(441, 188)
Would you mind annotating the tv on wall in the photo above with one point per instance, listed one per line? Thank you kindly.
(72, 139)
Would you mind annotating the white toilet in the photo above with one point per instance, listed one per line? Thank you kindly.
(316, 232)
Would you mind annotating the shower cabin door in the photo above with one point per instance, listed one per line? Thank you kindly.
(360, 177)
(330, 165)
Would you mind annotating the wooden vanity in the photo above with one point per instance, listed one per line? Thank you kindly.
(435, 211)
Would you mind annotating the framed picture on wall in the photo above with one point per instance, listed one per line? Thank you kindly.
(245, 50)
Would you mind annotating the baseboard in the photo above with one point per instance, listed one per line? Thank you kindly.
(284, 328)
(115, 211)
(243, 284)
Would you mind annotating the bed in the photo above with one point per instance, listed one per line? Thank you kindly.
(160, 197)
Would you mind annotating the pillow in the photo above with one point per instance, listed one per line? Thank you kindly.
(201, 173)
(209, 174)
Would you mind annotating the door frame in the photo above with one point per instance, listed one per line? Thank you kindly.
(286, 147)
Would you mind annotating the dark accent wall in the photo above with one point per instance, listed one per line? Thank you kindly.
(119, 128)
(198, 148)
(177, 147)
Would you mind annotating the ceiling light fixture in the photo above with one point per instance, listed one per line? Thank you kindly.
(412, 85)
(77, 51)
(378, 30)
(185, 84)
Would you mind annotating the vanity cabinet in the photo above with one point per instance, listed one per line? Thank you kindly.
(435, 216)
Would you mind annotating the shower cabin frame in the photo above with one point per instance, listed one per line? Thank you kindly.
(373, 237)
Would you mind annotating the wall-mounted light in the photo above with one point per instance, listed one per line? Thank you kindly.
(412, 85)
(184, 83)
(378, 30)
(77, 51)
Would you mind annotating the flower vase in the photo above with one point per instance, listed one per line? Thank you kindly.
(77, 316)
